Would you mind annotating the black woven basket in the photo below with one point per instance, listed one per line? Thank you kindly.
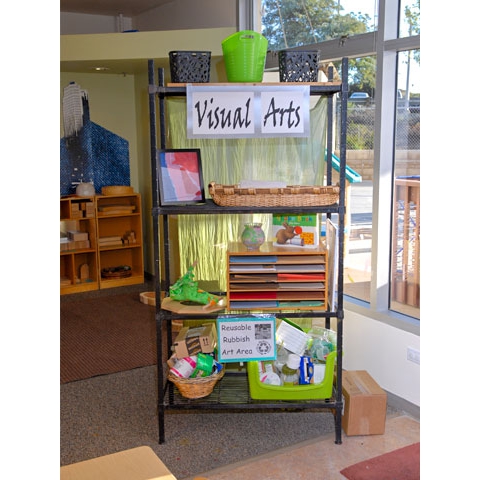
(298, 65)
(190, 67)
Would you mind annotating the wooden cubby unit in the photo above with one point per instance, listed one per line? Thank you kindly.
(276, 278)
(117, 215)
(78, 259)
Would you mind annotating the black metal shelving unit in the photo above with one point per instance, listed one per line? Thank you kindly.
(232, 392)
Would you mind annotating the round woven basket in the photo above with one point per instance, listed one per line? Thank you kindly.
(196, 387)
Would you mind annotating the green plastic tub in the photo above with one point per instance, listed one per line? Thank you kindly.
(262, 391)
(244, 54)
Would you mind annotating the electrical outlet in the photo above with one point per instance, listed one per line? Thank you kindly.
(413, 355)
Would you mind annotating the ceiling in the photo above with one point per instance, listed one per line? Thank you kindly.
(128, 8)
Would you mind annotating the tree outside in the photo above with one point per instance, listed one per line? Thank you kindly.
(293, 23)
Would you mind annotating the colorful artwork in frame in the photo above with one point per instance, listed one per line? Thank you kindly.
(180, 176)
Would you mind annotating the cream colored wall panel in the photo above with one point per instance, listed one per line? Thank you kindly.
(81, 23)
(204, 14)
(140, 45)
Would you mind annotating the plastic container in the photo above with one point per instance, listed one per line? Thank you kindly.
(189, 67)
(184, 367)
(85, 189)
(269, 377)
(290, 374)
(244, 54)
(262, 391)
(298, 65)
(318, 372)
(204, 366)
(282, 357)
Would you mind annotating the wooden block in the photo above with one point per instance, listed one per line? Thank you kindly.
(77, 236)
(139, 463)
(110, 243)
(148, 298)
(84, 271)
(65, 246)
(129, 237)
(110, 238)
(115, 209)
(89, 210)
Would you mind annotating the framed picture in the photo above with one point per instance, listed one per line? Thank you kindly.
(180, 178)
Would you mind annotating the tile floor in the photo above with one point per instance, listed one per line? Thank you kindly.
(321, 458)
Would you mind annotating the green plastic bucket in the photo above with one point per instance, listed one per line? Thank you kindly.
(244, 54)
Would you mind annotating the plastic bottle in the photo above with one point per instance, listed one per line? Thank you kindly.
(184, 367)
(269, 377)
(282, 357)
(289, 374)
(318, 372)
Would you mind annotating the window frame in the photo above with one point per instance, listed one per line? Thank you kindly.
(385, 44)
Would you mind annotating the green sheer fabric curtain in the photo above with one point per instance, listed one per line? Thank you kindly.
(296, 161)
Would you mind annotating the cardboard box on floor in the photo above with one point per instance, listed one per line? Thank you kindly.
(364, 404)
(193, 340)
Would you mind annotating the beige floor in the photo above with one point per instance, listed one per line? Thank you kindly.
(321, 458)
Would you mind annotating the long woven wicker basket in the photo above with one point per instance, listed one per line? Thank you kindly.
(290, 196)
(196, 387)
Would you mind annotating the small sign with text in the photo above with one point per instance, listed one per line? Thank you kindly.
(246, 338)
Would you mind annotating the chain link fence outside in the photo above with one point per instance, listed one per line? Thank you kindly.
(360, 137)
(361, 126)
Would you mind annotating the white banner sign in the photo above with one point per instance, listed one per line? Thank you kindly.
(248, 111)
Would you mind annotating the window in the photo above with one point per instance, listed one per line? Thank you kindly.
(360, 144)
(288, 23)
(377, 36)
(409, 22)
(405, 272)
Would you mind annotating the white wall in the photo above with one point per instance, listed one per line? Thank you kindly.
(82, 23)
(382, 350)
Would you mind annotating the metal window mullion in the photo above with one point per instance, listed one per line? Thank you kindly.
(250, 15)
(384, 151)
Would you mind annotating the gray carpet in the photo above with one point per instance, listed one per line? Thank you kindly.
(115, 412)
(109, 413)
